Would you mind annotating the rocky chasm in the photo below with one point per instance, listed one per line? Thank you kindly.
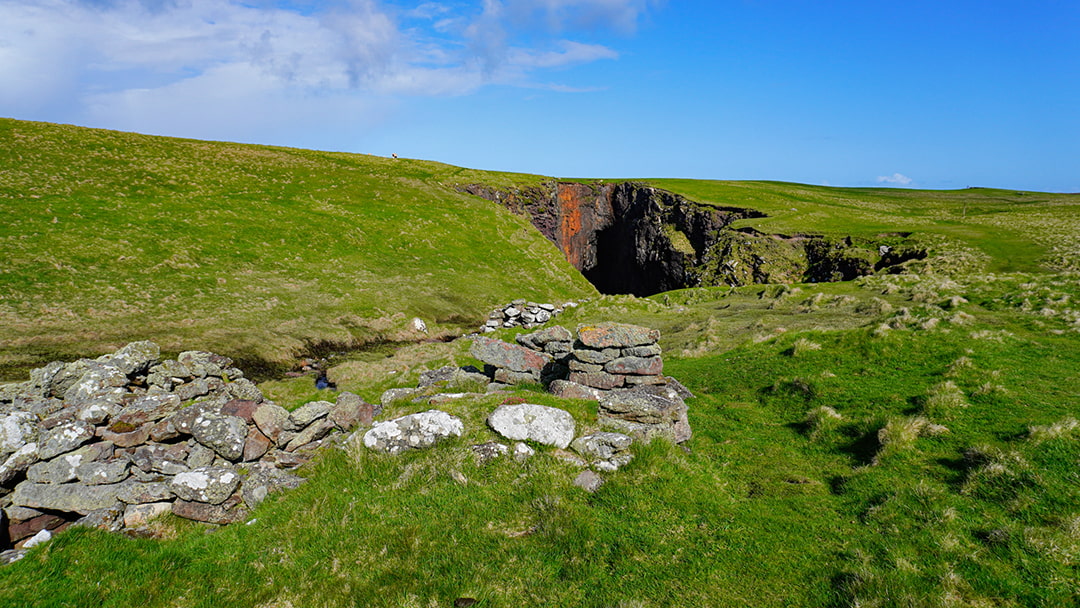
(631, 238)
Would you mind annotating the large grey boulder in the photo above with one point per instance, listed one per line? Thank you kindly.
(223, 434)
(528, 421)
(211, 485)
(415, 431)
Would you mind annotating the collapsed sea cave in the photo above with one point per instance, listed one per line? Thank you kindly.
(632, 238)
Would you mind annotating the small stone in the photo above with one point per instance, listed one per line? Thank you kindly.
(101, 473)
(271, 419)
(486, 452)
(256, 444)
(134, 359)
(211, 485)
(40, 538)
(522, 451)
(588, 481)
(508, 356)
(651, 350)
(308, 413)
(129, 439)
(240, 408)
(351, 411)
(394, 395)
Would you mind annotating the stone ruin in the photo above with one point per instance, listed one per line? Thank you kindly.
(616, 364)
(115, 441)
(521, 313)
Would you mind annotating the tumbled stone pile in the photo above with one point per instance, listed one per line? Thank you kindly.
(114, 441)
(616, 364)
(521, 313)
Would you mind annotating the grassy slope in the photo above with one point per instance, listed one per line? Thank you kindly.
(250, 250)
(1019, 231)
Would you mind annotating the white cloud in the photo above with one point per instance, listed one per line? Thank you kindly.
(896, 178)
(168, 65)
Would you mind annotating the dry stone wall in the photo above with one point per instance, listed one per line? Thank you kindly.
(114, 441)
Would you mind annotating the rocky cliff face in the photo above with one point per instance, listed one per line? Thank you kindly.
(632, 238)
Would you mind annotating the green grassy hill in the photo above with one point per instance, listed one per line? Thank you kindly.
(251, 250)
(905, 440)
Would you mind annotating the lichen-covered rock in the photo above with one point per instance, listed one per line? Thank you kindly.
(202, 364)
(64, 438)
(137, 492)
(223, 434)
(102, 473)
(645, 412)
(135, 358)
(637, 366)
(16, 430)
(18, 462)
(600, 380)
(537, 340)
(351, 411)
(308, 413)
(313, 432)
(504, 355)
(242, 388)
(98, 382)
(271, 419)
(227, 512)
(211, 485)
(573, 390)
(539, 423)
(616, 335)
(265, 479)
(415, 431)
(67, 497)
(58, 470)
(605, 451)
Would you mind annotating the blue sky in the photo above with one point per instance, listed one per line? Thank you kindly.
(936, 94)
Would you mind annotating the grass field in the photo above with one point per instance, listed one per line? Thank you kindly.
(897, 441)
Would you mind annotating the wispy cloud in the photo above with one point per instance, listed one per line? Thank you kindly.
(155, 65)
(898, 179)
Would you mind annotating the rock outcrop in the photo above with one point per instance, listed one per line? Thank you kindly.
(111, 442)
(633, 238)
